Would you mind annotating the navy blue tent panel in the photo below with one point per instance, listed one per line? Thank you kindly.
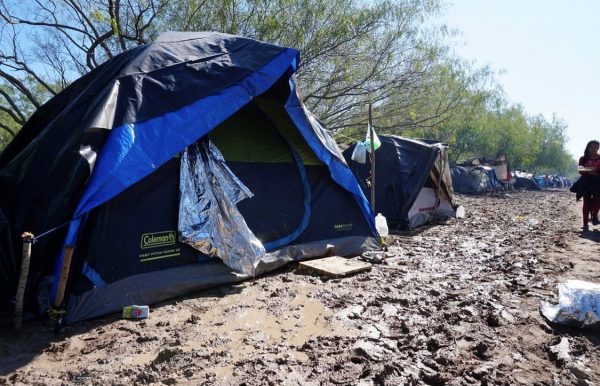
(474, 179)
(271, 219)
(112, 237)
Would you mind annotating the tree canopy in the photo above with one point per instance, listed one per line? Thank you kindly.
(354, 52)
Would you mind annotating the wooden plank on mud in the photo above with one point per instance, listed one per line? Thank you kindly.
(335, 266)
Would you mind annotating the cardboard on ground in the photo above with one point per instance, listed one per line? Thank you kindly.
(335, 266)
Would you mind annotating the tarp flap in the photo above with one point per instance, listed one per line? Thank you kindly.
(208, 217)
(443, 179)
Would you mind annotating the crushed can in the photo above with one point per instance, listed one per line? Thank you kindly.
(136, 312)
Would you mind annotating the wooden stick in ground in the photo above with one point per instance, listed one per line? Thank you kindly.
(372, 159)
(26, 258)
(64, 274)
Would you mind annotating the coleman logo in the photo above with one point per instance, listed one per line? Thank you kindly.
(342, 227)
(158, 239)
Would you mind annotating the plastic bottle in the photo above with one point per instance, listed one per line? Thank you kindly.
(381, 225)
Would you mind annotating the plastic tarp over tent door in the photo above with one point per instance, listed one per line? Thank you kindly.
(208, 218)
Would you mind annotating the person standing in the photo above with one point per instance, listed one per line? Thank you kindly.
(588, 185)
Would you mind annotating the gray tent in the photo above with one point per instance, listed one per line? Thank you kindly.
(474, 179)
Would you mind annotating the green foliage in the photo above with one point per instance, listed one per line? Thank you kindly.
(353, 52)
(530, 143)
(8, 129)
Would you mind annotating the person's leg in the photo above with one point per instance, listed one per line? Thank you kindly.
(586, 210)
(595, 208)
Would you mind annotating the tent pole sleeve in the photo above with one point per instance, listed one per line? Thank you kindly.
(26, 258)
(64, 274)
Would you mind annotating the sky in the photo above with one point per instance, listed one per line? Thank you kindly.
(546, 54)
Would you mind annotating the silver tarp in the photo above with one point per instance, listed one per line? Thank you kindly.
(208, 217)
(578, 304)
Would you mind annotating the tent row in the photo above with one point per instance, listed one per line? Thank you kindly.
(481, 175)
(484, 179)
(553, 181)
(188, 163)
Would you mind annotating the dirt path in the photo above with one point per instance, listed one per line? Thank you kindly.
(585, 247)
(454, 304)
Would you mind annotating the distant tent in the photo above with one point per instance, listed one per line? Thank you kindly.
(559, 182)
(413, 184)
(554, 181)
(474, 179)
(525, 181)
(541, 181)
(178, 130)
(499, 164)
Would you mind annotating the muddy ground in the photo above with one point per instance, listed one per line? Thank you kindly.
(453, 304)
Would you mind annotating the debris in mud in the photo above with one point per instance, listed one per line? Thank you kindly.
(579, 371)
(375, 257)
(193, 319)
(493, 320)
(481, 350)
(334, 266)
(142, 338)
(560, 352)
(429, 375)
(166, 354)
(369, 350)
(169, 381)
(578, 305)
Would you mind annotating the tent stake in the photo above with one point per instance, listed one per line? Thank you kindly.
(64, 274)
(25, 259)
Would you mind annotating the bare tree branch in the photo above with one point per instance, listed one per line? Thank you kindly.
(21, 87)
(8, 129)
(15, 113)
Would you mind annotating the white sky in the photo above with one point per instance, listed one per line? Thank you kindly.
(549, 51)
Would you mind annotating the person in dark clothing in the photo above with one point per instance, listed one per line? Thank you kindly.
(588, 185)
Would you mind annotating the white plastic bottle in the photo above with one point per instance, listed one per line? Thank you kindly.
(381, 225)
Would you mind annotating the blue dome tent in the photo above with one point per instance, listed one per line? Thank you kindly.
(102, 165)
